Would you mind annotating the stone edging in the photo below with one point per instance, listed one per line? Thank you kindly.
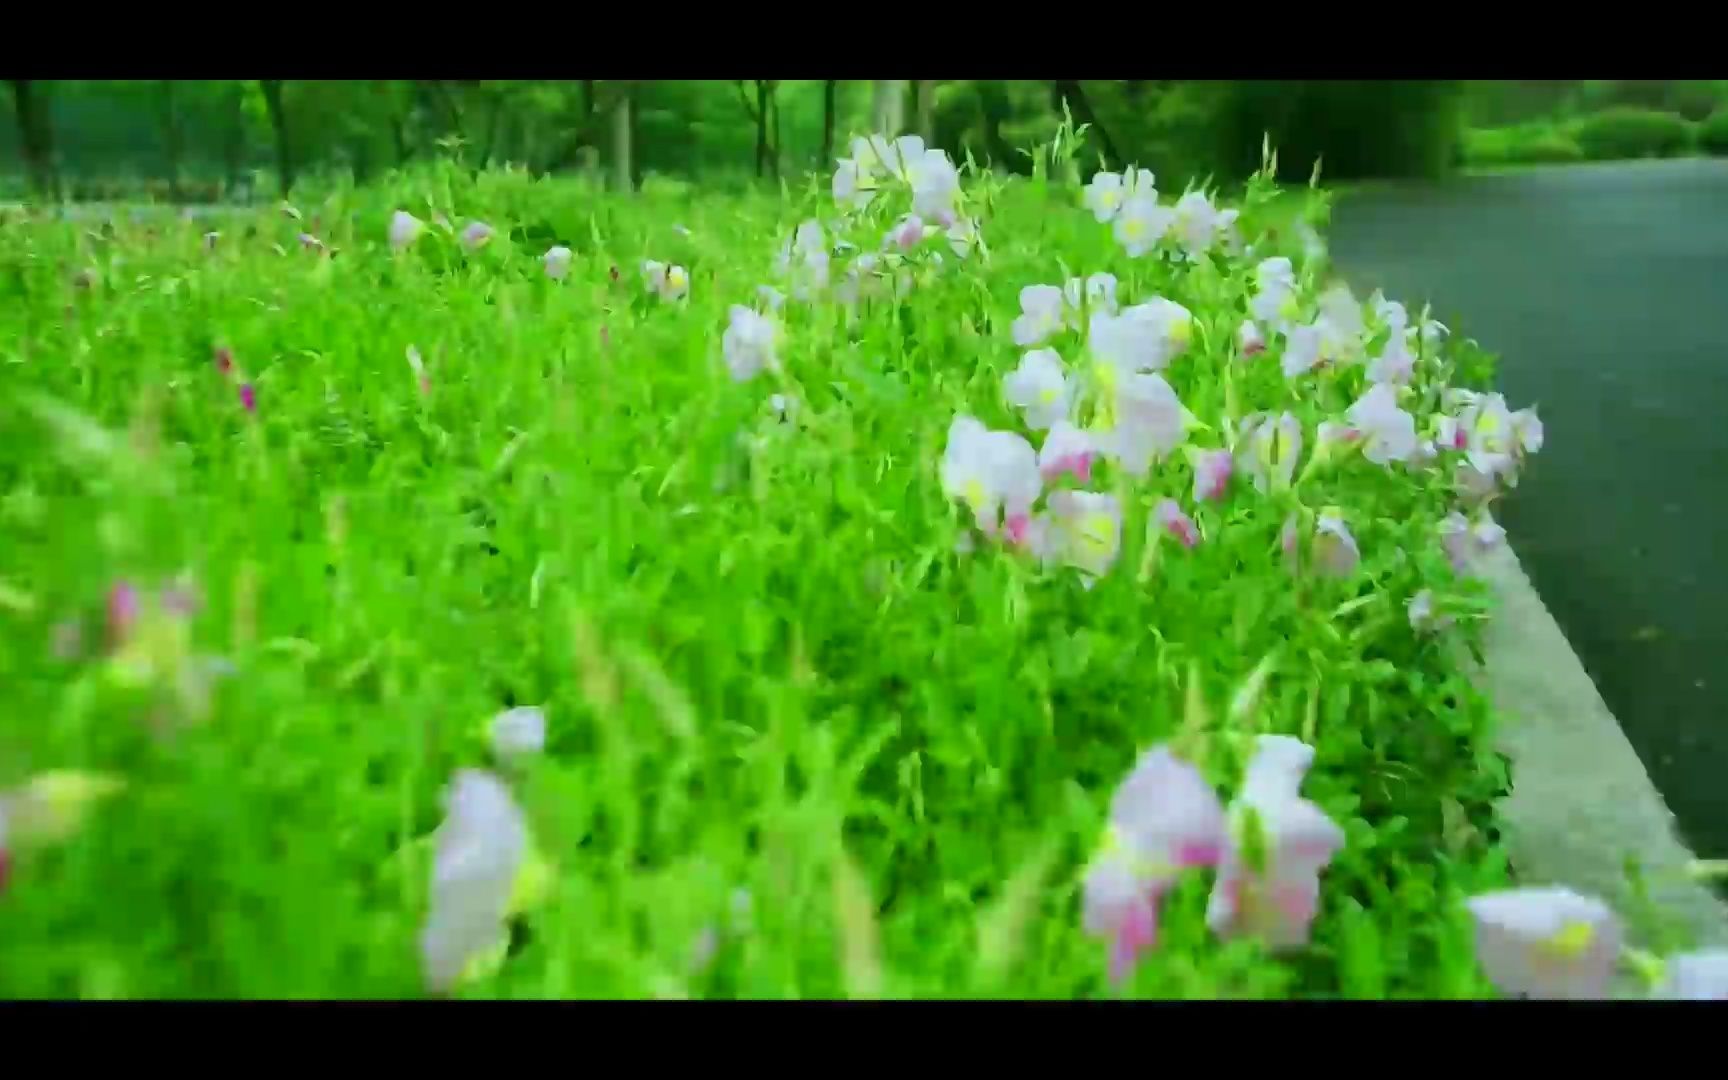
(1581, 801)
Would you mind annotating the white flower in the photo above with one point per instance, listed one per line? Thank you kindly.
(804, 260)
(1104, 195)
(1546, 942)
(1040, 314)
(476, 236)
(1268, 884)
(1195, 223)
(963, 237)
(1301, 351)
(1084, 531)
(1389, 432)
(480, 849)
(670, 283)
(518, 732)
(1039, 386)
(1340, 324)
(557, 261)
(906, 234)
(748, 343)
(1268, 449)
(1275, 274)
(1145, 337)
(772, 299)
(1489, 435)
(852, 185)
(935, 183)
(995, 473)
(1149, 422)
(1250, 341)
(404, 229)
(1527, 426)
(1141, 224)
(1096, 293)
(1396, 364)
(1696, 976)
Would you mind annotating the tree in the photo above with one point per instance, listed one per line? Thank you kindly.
(888, 107)
(1069, 90)
(272, 90)
(623, 174)
(924, 97)
(829, 86)
(36, 135)
(172, 141)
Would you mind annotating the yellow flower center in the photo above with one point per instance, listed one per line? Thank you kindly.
(1047, 395)
(975, 495)
(1098, 533)
(676, 278)
(1110, 199)
(1289, 308)
(1181, 330)
(1135, 228)
(1573, 941)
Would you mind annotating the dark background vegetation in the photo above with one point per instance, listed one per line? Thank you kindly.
(210, 140)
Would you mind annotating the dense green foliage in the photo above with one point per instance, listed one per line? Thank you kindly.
(1523, 144)
(1713, 133)
(1628, 131)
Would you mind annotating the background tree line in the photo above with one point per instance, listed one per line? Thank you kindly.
(202, 139)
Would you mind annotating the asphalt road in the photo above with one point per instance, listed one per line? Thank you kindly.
(1604, 288)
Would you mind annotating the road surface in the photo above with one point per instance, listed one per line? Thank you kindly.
(1604, 288)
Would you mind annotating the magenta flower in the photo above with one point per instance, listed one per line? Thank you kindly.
(1212, 472)
(122, 612)
(1164, 819)
(1067, 449)
(1172, 520)
(248, 398)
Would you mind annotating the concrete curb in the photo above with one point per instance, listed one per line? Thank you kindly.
(1581, 801)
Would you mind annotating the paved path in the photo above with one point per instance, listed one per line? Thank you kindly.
(1604, 288)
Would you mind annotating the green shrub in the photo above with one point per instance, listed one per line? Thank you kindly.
(1523, 144)
(1355, 129)
(1713, 133)
(1631, 132)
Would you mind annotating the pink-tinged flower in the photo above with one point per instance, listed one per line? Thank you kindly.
(224, 359)
(1527, 427)
(1164, 819)
(1039, 387)
(1250, 342)
(1546, 942)
(1269, 448)
(1448, 433)
(1212, 469)
(248, 398)
(1465, 543)
(480, 850)
(1149, 423)
(1170, 518)
(1067, 449)
(1335, 551)
(995, 473)
(906, 234)
(1083, 530)
(123, 611)
(1389, 433)
(1290, 542)
(416, 365)
(476, 236)
(1696, 976)
(1269, 881)
(404, 229)
(1040, 314)
(557, 262)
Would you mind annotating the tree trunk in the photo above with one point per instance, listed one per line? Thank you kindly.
(993, 101)
(761, 128)
(171, 139)
(926, 109)
(636, 165)
(1069, 90)
(888, 107)
(36, 136)
(234, 145)
(828, 94)
(272, 89)
(622, 175)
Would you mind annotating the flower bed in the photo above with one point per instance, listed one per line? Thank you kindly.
(929, 588)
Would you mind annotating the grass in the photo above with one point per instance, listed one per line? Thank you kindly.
(764, 664)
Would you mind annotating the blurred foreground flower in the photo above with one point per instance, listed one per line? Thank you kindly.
(1546, 942)
(480, 851)
(51, 807)
(476, 235)
(518, 733)
(1083, 529)
(1169, 517)
(1040, 314)
(1697, 976)
(557, 260)
(404, 229)
(1269, 882)
(1164, 819)
(1067, 449)
(749, 343)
